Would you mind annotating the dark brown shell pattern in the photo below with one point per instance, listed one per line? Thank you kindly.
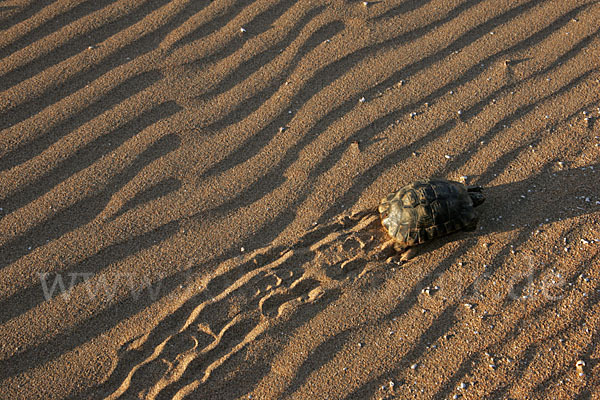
(426, 210)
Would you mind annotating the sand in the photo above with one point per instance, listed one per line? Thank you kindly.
(179, 183)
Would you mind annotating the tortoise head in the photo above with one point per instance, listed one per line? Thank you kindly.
(476, 196)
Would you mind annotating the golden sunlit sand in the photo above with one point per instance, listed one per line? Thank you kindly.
(178, 180)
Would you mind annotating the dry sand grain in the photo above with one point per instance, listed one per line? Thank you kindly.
(187, 169)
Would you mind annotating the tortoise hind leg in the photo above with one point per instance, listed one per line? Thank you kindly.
(471, 227)
(469, 220)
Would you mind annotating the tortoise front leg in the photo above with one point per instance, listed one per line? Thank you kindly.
(401, 252)
(390, 244)
(405, 252)
(408, 253)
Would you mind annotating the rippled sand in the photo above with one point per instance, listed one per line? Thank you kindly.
(178, 181)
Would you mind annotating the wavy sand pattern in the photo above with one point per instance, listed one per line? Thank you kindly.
(180, 182)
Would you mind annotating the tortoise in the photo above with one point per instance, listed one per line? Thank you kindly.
(428, 209)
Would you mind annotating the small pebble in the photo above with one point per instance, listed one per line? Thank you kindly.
(447, 156)
(242, 249)
(242, 30)
(579, 367)
(414, 366)
(362, 100)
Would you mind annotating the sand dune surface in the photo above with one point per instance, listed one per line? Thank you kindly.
(185, 189)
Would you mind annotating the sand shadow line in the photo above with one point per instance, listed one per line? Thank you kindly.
(25, 13)
(213, 25)
(75, 46)
(323, 78)
(143, 44)
(222, 380)
(383, 122)
(289, 273)
(53, 25)
(260, 60)
(90, 328)
(366, 177)
(32, 296)
(403, 8)
(124, 90)
(256, 142)
(259, 24)
(87, 155)
(172, 324)
(84, 210)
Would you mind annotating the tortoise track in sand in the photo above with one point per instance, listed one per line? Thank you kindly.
(246, 298)
(117, 140)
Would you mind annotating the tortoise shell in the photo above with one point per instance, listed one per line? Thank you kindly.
(426, 210)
